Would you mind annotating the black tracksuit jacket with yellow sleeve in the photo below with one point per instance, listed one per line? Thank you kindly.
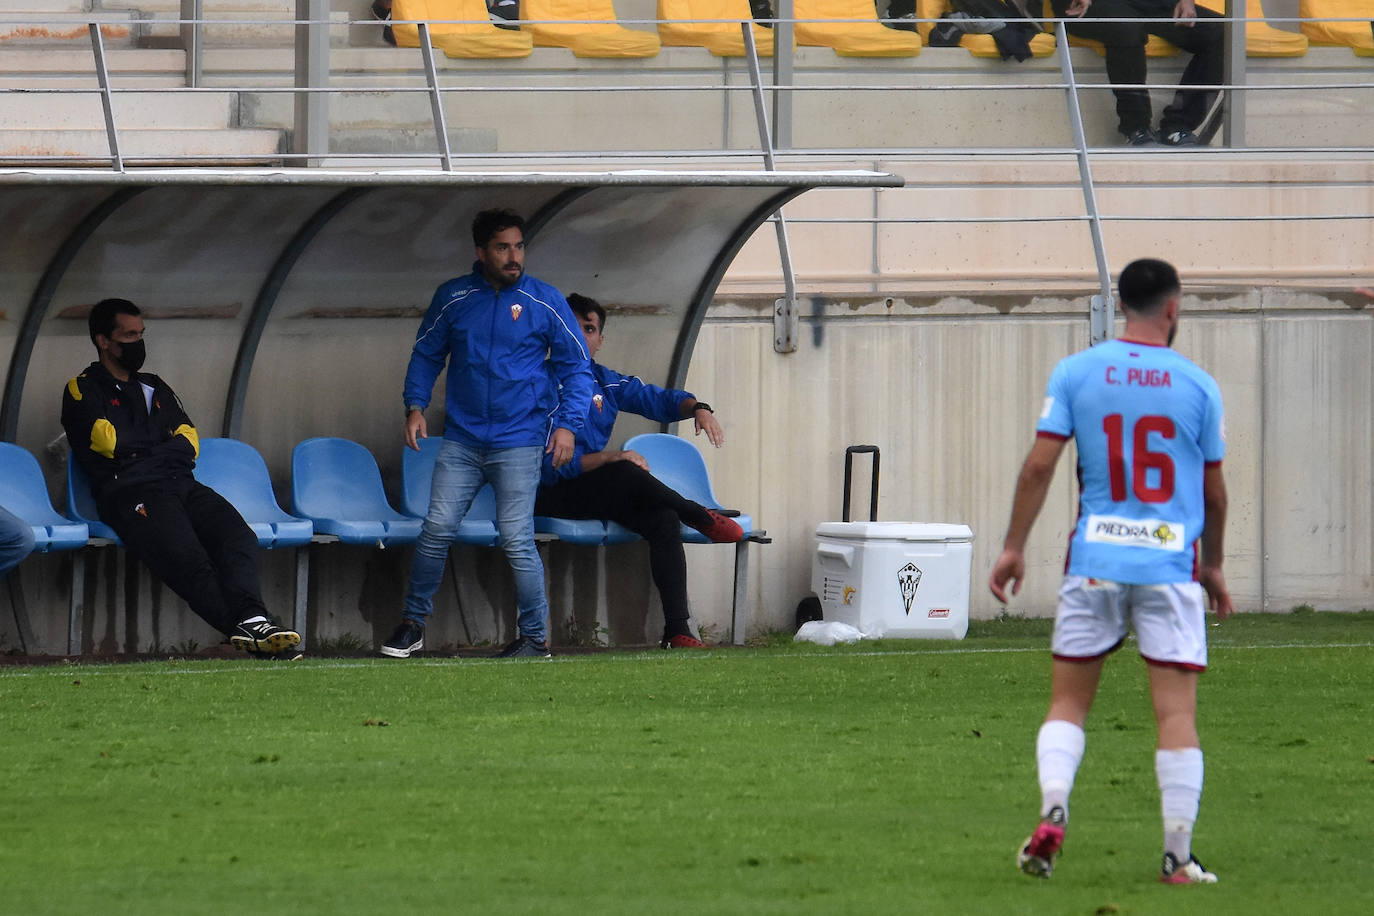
(121, 436)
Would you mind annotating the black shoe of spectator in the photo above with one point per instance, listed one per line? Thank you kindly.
(904, 23)
(409, 637)
(383, 14)
(504, 12)
(1142, 137)
(1180, 138)
(761, 9)
(524, 647)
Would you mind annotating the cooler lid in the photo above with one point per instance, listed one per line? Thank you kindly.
(895, 531)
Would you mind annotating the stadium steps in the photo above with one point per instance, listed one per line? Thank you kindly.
(37, 126)
(62, 23)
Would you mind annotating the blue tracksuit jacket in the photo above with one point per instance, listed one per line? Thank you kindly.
(499, 392)
(613, 393)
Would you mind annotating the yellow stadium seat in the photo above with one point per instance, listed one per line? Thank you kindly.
(1261, 38)
(1041, 45)
(1154, 45)
(1357, 36)
(475, 37)
(863, 36)
(578, 27)
(723, 39)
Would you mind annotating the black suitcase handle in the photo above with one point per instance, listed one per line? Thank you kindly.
(849, 454)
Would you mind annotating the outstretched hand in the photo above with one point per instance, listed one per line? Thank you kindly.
(706, 422)
(1077, 8)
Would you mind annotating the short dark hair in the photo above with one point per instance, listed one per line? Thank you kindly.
(583, 306)
(102, 317)
(1146, 284)
(489, 222)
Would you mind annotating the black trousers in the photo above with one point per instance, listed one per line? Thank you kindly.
(192, 539)
(629, 495)
(1125, 46)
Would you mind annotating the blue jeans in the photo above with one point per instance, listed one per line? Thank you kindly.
(16, 540)
(459, 472)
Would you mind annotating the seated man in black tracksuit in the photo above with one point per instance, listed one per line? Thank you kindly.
(138, 448)
(617, 486)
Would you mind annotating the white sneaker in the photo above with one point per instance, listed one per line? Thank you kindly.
(1190, 872)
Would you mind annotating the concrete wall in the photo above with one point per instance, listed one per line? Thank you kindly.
(948, 387)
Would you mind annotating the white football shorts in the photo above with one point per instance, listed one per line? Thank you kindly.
(1169, 621)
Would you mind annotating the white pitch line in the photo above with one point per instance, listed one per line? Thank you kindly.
(146, 669)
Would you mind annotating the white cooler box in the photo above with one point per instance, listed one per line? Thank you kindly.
(895, 579)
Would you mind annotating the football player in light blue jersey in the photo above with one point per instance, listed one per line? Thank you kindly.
(1149, 432)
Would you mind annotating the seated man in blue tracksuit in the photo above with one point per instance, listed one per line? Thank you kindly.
(617, 486)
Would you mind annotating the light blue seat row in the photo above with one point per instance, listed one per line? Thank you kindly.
(672, 460)
(236, 471)
(24, 493)
(478, 527)
(336, 484)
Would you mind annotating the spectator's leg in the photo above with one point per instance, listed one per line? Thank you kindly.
(457, 478)
(16, 540)
(1125, 48)
(155, 528)
(514, 475)
(231, 546)
(1206, 41)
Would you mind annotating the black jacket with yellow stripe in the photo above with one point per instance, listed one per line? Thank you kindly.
(116, 440)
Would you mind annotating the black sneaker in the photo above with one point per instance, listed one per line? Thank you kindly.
(383, 14)
(504, 13)
(264, 638)
(409, 637)
(1142, 137)
(524, 647)
(1180, 138)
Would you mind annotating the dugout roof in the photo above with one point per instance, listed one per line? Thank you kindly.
(252, 249)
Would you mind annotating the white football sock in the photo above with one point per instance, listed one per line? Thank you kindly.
(1180, 792)
(1058, 751)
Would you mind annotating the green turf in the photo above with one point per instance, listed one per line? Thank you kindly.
(892, 777)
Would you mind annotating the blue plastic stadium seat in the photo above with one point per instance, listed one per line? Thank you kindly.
(81, 504)
(417, 471)
(336, 484)
(24, 493)
(678, 464)
(236, 471)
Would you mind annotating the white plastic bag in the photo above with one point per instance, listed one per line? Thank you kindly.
(827, 633)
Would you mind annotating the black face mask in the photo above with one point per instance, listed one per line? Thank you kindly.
(131, 355)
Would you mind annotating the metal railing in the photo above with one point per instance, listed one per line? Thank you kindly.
(312, 92)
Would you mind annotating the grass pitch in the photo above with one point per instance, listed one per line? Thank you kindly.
(881, 778)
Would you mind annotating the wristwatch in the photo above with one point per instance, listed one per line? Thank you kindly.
(702, 405)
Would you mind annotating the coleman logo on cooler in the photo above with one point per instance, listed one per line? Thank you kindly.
(938, 612)
(909, 577)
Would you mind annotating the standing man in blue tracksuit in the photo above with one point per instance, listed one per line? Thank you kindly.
(503, 412)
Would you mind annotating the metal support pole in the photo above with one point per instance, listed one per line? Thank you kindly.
(436, 99)
(782, 74)
(1103, 311)
(106, 101)
(192, 12)
(785, 320)
(1233, 115)
(311, 134)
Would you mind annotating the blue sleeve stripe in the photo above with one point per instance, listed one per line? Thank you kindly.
(577, 338)
(459, 297)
